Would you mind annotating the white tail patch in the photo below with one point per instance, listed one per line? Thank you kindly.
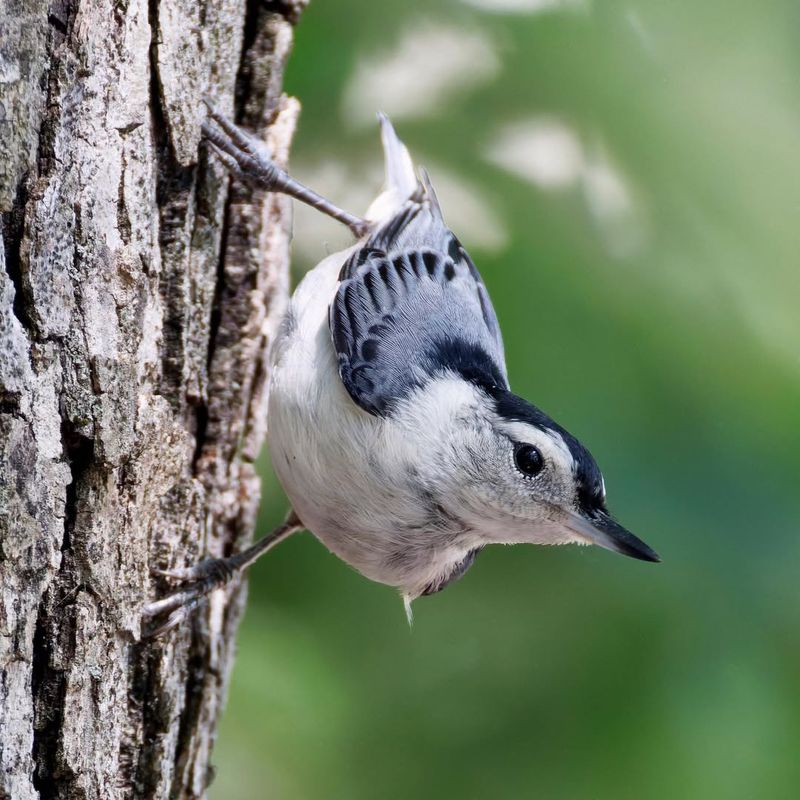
(401, 179)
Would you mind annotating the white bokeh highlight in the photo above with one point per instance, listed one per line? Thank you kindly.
(543, 150)
(428, 66)
(549, 154)
(527, 6)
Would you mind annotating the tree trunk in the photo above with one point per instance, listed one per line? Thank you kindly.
(138, 294)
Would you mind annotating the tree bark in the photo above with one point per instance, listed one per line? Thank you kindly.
(138, 295)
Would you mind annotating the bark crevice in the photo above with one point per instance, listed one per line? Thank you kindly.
(13, 228)
(49, 687)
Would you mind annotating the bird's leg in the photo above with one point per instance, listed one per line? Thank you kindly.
(247, 158)
(204, 577)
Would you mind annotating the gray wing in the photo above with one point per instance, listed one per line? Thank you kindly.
(411, 305)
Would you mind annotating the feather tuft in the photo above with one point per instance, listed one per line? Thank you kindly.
(409, 613)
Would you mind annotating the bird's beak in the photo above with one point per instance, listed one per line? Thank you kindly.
(601, 529)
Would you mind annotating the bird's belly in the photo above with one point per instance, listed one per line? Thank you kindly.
(327, 454)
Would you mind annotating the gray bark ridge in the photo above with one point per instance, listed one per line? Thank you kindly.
(138, 295)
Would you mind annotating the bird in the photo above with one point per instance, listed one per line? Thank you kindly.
(391, 423)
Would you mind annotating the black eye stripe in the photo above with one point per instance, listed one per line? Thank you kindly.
(528, 459)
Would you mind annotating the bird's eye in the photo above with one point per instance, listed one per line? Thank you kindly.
(528, 459)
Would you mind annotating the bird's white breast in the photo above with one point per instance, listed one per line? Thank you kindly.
(350, 476)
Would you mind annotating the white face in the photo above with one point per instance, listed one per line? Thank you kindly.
(522, 482)
(510, 481)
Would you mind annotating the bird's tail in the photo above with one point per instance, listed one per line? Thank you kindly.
(401, 180)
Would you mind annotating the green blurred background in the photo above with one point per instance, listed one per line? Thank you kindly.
(627, 177)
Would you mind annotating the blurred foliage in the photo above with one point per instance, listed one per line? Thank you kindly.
(658, 320)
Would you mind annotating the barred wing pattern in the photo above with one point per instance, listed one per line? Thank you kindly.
(411, 306)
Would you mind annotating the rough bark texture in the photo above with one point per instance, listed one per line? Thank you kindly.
(138, 294)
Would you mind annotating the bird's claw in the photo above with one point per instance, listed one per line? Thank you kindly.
(198, 581)
(152, 630)
(249, 159)
(245, 155)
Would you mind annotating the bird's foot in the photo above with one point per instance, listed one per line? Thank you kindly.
(248, 159)
(197, 582)
(244, 154)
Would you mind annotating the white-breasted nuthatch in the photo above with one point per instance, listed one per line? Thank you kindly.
(391, 424)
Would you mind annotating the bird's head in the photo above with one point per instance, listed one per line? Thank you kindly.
(512, 474)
